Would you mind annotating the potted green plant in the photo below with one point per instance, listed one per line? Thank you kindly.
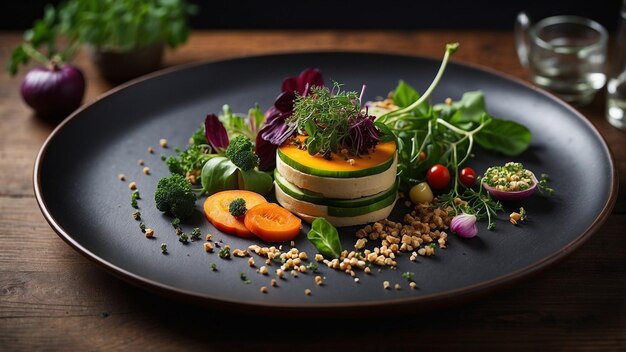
(127, 37)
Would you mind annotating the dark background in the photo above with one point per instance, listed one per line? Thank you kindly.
(398, 14)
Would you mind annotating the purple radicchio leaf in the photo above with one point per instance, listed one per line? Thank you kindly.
(310, 76)
(215, 133)
(277, 129)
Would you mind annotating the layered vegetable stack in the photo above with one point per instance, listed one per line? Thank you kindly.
(346, 191)
(336, 163)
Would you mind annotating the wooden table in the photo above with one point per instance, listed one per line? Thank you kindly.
(53, 298)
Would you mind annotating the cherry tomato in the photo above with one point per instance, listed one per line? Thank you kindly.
(438, 176)
(467, 177)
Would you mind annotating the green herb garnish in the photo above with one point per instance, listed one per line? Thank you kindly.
(137, 215)
(244, 278)
(142, 227)
(313, 267)
(133, 199)
(195, 234)
(325, 238)
(224, 252)
(183, 238)
(543, 185)
(213, 267)
(408, 275)
(164, 248)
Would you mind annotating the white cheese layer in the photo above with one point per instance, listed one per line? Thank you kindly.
(342, 188)
(309, 211)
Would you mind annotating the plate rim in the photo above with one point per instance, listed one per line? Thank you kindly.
(429, 301)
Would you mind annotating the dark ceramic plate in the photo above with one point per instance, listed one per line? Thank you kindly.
(77, 186)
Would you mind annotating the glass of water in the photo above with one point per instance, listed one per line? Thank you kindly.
(616, 88)
(566, 55)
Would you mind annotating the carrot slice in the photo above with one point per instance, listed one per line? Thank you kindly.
(216, 210)
(272, 223)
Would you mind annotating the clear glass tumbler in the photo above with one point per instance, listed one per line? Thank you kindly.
(616, 87)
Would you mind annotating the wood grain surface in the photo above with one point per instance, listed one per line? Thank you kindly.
(51, 298)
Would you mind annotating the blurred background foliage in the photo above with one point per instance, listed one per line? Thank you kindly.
(343, 14)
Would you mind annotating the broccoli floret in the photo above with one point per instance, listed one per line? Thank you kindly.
(241, 152)
(174, 165)
(237, 207)
(173, 194)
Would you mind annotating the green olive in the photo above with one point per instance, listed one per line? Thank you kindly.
(421, 193)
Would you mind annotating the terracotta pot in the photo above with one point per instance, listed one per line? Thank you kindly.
(117, 66)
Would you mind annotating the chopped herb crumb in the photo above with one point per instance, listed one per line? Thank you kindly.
(142, 226)
(137, 215)
(183, 238)
(133, 199)
(163, 157)
(164, 248)
(313, 267)
(176, 223)
(224, 253)
(408, 275)
(213, 267)
(432, 245)
(195, 234)
(244, 278)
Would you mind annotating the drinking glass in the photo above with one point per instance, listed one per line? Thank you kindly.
(564, 54)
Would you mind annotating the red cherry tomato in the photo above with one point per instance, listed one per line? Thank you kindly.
(438, 176)
(467, 177)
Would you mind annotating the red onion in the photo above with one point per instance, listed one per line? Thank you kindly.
(55, 91)
(513, 195)
(464, 225)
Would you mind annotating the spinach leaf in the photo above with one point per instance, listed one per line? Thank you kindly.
(503, 136)
(470, 108)
(219, 174)
(405, 95)
(255, 181)
(325, 238)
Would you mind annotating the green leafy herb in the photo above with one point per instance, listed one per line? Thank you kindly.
(183, 238)
(41, 43)
(244, 278)
(240, 125)
(543, 185)
(237, 207)
(176, 223)
(447, 134)
(224, 252)
(127, 24)
(142, 227)
(195, 234)
(325, 238)
(324, 115)
(213, 267)
(189, 162)
(408, 275)
(137, 215)
(164, 248)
